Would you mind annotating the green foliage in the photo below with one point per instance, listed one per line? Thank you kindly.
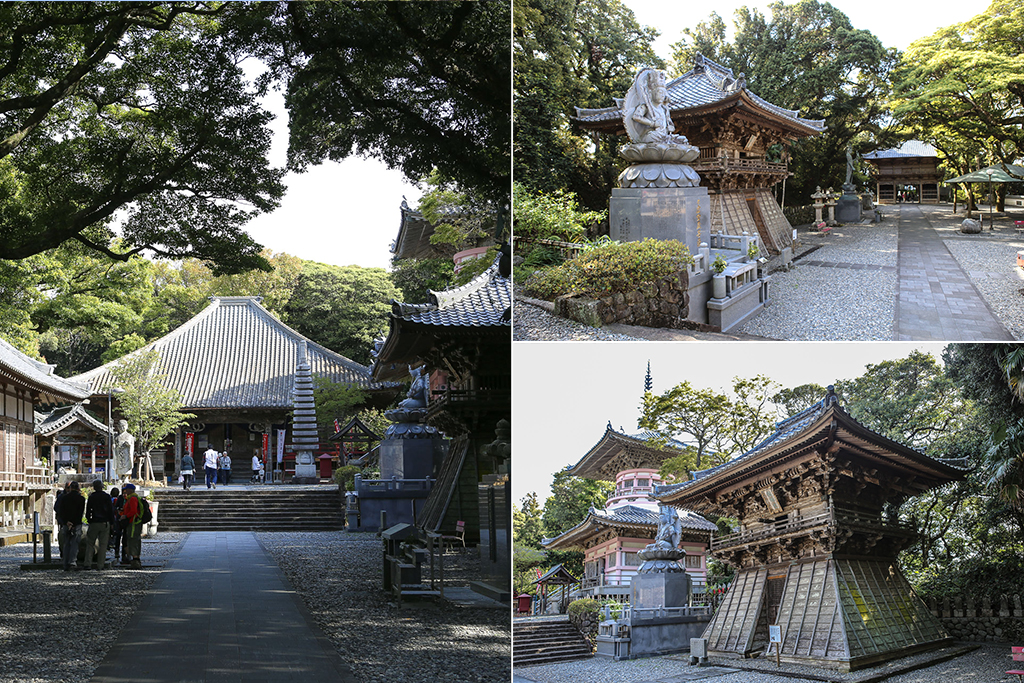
(714, 425)
(137, 108)
(719, 265)
(799, 398)
(570, 501)
(345, 477)
(611, 269)
(343, 308)
(460, 220)
(335, 401)
(416, 277)
(584, 608)
(527, 522)
(807, 57)
(524, 562)
(151, 409)
(997, 572)
(569, 54)
(470, 270)
(551, 216)
(417, 85)
(962, 88)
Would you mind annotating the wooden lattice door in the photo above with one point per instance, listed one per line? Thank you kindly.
(773, 596)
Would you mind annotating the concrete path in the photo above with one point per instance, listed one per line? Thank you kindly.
(935, 300)
(221, 611)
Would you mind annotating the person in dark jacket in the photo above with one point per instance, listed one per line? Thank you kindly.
(99, 512)
(72, 507)
(62, 530)
(188, 471)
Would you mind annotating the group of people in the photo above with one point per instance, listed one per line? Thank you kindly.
(216, 465)
(114, 521)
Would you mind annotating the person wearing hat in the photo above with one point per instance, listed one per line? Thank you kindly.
(72, 507)
(131, 518)
(99, 512)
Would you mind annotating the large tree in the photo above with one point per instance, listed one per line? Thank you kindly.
(962, 88)
(343, 308)
(570, 54)
(418, 85)
(807, 57)
(136, 113)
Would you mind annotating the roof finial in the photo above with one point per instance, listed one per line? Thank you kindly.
(648, 384)
(831, 397)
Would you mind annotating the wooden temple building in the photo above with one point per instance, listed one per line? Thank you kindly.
(70, 436)
(462, 337)
(736, 132)
(26, 385)
(817, 543)
(413, 240)
(234, 365)
(611, 537)
(912, 168)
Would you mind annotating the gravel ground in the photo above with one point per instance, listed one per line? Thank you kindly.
(991, 265)
(338, 576)
(532, 323)
(986, 664)
(58, 626)
(872, 244)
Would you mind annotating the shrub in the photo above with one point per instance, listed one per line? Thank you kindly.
(345, 477)
(611, 269)
(584, 615)
(554, 216)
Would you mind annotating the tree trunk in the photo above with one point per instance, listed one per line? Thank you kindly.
(149, 467)
(1001, 197)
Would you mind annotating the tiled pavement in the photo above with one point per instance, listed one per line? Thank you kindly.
(221, 611)
(936, 301)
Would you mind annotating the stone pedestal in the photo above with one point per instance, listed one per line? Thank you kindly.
(848, 208)
(660, 589)
(670, 213)
(410, 458)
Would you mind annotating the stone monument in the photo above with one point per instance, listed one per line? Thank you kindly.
(124, 451)
(658, 195)
(848, 208)
(305, 435)
(407, 451)
(661, 581)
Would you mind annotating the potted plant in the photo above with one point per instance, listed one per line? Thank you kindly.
(718, 279)
(752, 251)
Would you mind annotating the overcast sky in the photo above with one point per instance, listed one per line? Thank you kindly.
(566, 393)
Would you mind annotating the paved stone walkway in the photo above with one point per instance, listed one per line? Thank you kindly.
(221, 611)
(936, 301)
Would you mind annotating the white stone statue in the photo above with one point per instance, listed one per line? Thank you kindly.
(646, 113)
(670, 529)
(124, 451)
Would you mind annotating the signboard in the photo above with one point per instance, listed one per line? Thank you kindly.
(280, 448)
(774, 634)
(190, 438)
(266, 451)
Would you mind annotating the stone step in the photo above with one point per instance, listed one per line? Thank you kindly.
(250, 510)
(547, 643)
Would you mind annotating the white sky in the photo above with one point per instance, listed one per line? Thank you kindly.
(565, 393)
(338, 213)
(896, 24)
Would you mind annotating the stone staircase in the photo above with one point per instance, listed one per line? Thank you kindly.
(547, 642)
(252, 509)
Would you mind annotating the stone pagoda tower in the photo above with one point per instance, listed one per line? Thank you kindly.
(305, 436)
(816, 550)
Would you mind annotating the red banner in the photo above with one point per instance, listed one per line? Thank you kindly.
(266, 450)
(189, 440)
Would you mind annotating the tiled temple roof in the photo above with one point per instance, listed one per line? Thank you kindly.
(789, 433)
(482, 302)
(59, 418)
(910, 148)
(598, 462)
(708, 84)
(38, 376)
(623, 517)
(236, 354)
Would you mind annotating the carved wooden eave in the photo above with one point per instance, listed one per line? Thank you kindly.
(596, 529)
(616, 452)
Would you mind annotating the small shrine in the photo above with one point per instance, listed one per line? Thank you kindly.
(613, 538)
(740, 150)
(908, 173)
(71, 437)
(815, 553)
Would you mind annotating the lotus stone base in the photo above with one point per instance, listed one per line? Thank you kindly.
(659, 175)
(648, 152)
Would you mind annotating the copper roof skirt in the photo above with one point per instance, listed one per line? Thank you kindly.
(235, 354)
(38, 376)
(710, 86)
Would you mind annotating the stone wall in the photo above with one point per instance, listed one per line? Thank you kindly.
(981, 620)
(665, 303)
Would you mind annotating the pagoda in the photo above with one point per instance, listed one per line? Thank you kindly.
(816, 549)
(735, 131)
(610, 538)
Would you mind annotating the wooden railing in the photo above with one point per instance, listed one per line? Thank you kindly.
(566, 250)
(841, 517)
(730, 164)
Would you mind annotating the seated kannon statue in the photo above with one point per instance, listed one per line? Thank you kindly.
(666, 542)
(658, 155)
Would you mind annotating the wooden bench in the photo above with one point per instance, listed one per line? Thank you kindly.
(1018, 226)
(458, 537)
(1017, 653)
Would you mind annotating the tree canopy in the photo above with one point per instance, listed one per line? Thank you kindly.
(134, 111)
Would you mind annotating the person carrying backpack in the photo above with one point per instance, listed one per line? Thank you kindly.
(72, 509)
(131, 518)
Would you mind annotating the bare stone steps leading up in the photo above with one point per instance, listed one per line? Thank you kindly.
(547, 642)
(285, 509)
